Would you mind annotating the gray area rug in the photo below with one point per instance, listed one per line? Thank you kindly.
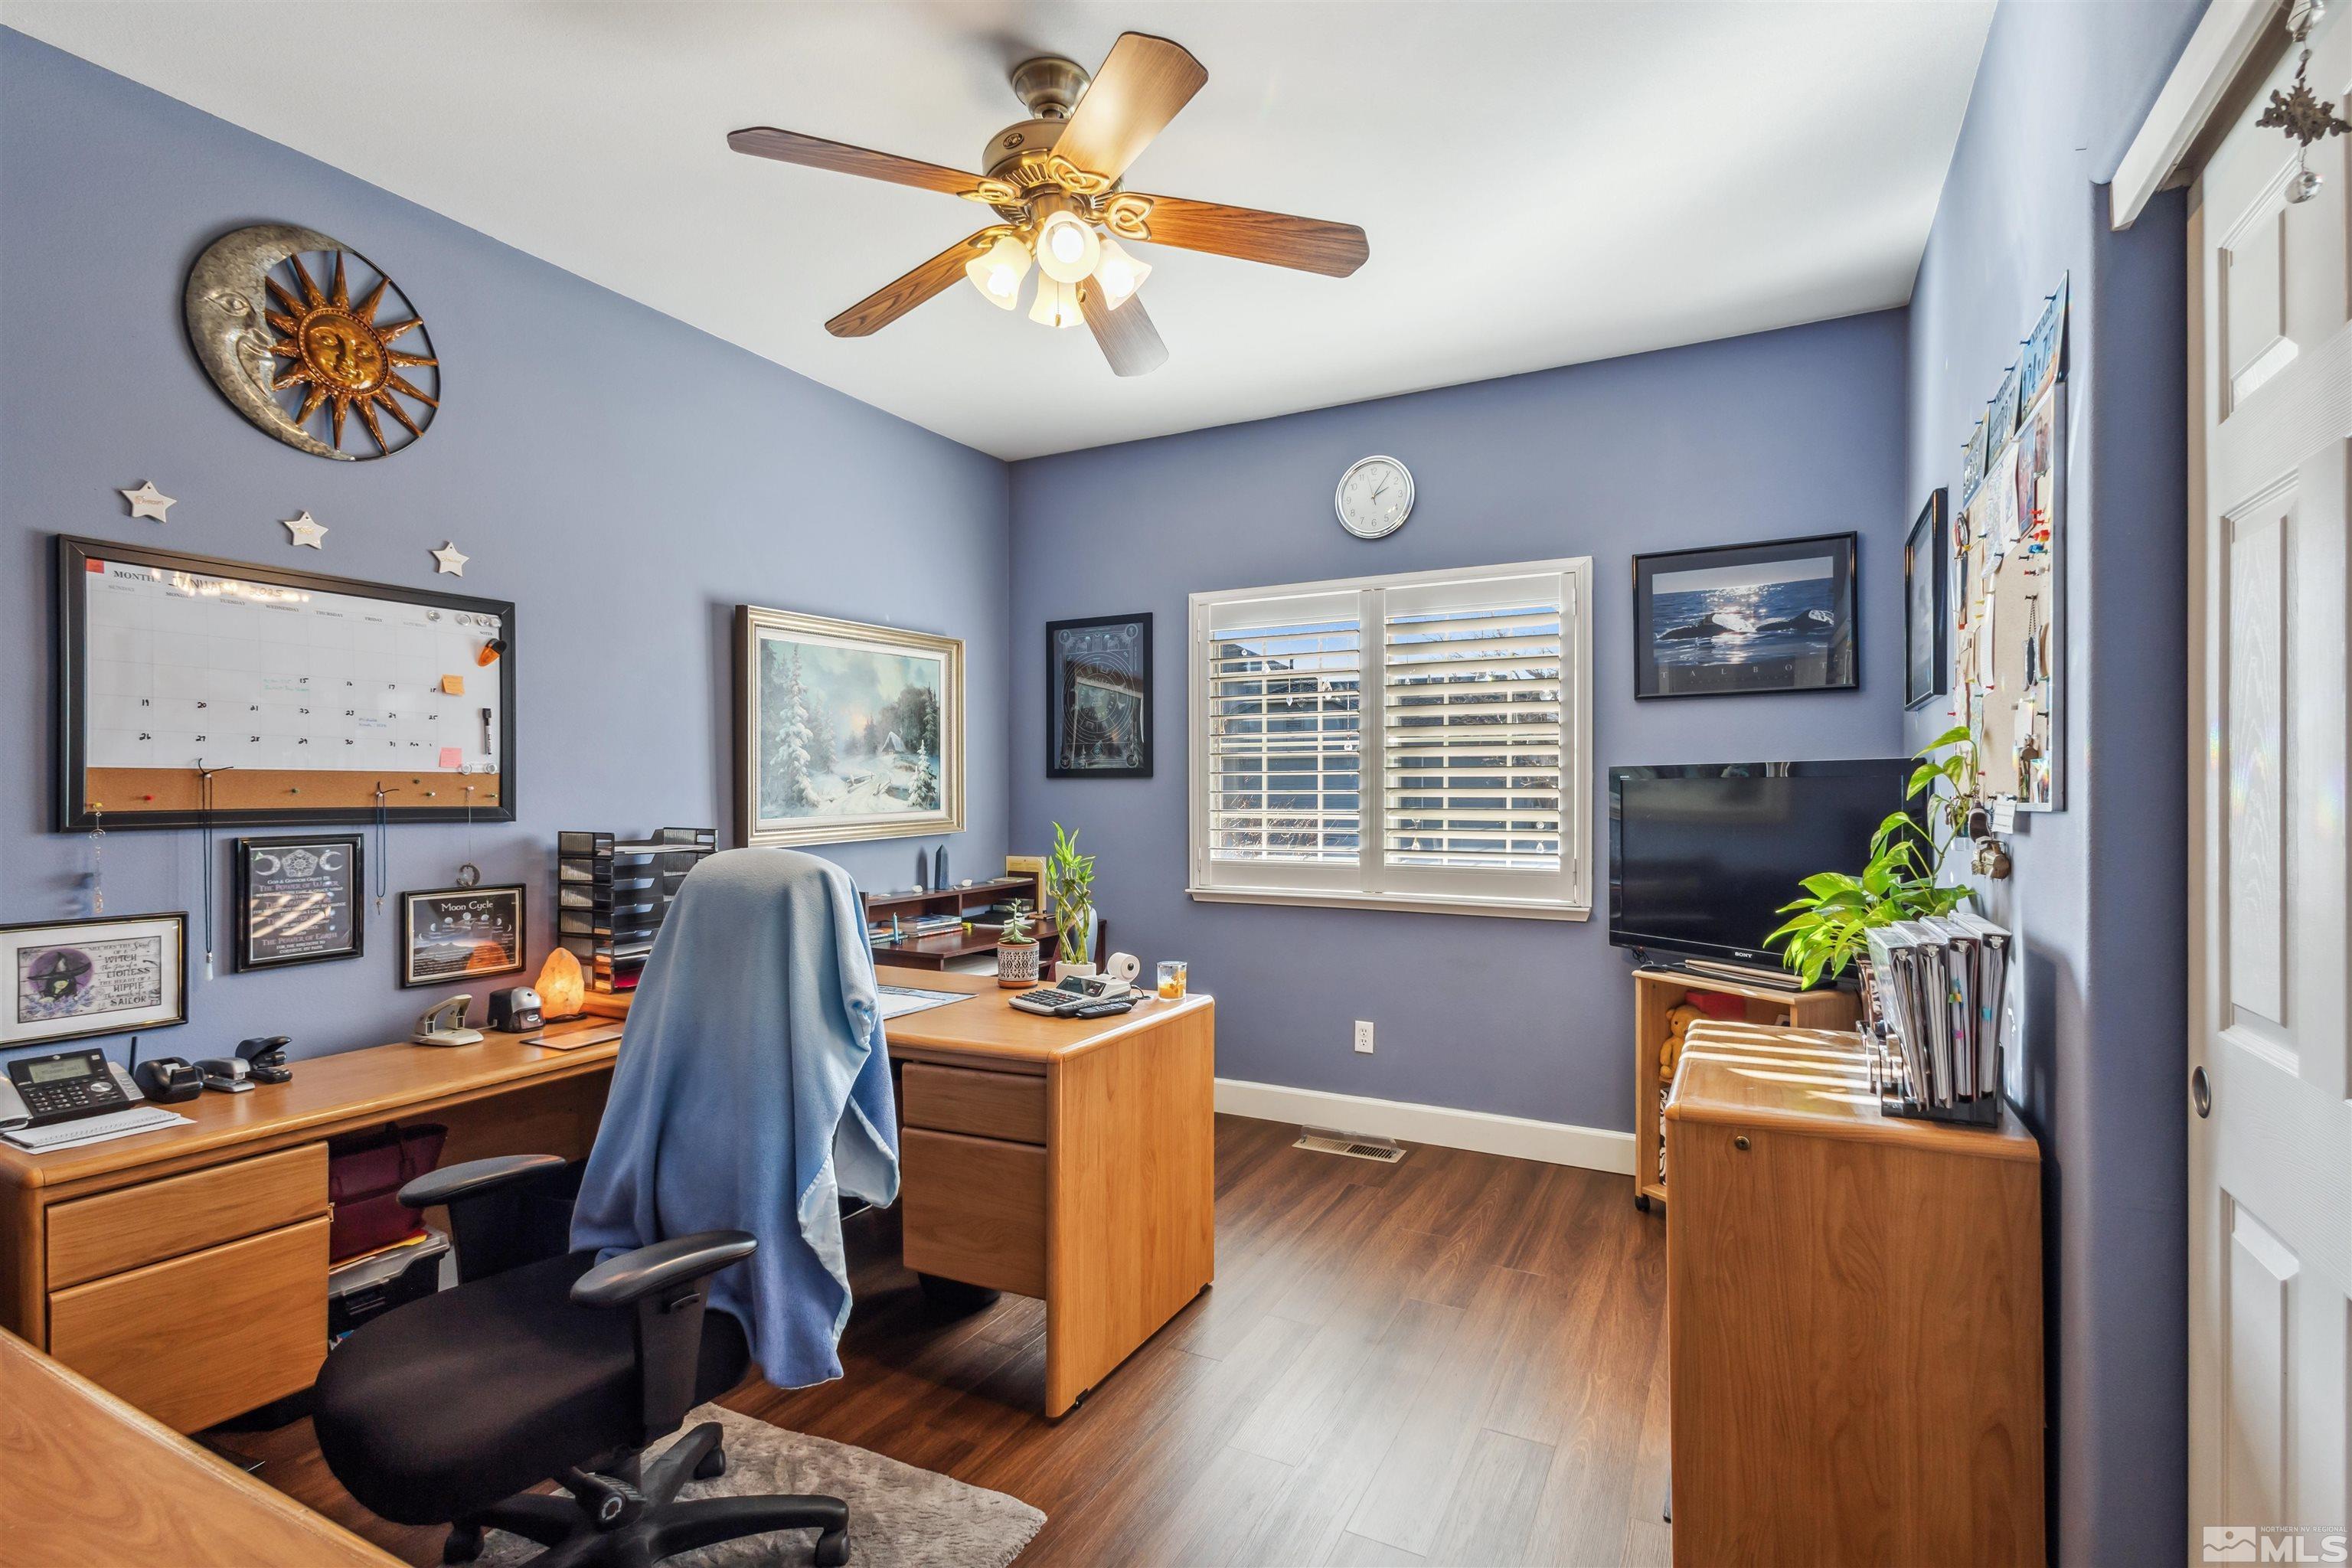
(899, 1517)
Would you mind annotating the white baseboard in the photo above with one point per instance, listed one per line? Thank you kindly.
(1520, 1137)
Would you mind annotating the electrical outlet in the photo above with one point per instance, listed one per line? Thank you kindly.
(1364, 1036)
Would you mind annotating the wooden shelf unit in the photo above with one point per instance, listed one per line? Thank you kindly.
(938, 951)
(1657, 990)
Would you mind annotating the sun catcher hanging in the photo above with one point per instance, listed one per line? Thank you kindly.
(272, 315)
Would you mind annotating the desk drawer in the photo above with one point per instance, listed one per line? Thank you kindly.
(104, 1234)
(202, 1337)
(975, 1209)
(1007, 1105)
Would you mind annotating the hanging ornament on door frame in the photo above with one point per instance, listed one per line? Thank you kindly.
(2301, 113)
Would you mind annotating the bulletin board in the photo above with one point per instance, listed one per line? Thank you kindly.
(300, 695)
(2008, 598)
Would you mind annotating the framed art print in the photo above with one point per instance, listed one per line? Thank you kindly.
(448, 934)
(844, 730)
(1098, 697)
(1738, 619)
(298, 899)
(72, 979)
(1926, 619)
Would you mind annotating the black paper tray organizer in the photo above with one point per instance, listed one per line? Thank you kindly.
(611, 894)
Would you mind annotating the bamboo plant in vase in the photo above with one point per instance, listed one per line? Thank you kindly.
(1016, 948)
(1070, 884)
(1831, 920)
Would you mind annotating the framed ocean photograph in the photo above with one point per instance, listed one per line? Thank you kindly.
(298, 899)
(1738, 619)
(1927, 581)
(844, 730)
(69, 980)
(448, 934)
(1098, 697)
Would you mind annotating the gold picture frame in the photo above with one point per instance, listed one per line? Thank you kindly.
(844, 730)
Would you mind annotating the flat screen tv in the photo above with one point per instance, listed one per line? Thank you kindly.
(1702, 857)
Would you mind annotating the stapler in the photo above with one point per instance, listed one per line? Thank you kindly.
(443, 1024)
(229, 1074)
(266, 1057)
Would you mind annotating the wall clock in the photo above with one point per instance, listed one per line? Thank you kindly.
(1374, 496)
(303, 335)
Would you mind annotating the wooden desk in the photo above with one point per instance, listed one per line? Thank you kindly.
(86, 1478)
(186, 1270)
(1853, 1310)
(1071, 1161)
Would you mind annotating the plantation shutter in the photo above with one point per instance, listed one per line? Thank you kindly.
(1283, 682)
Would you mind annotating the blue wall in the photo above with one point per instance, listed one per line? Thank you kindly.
(592, 453)
(2097, 891)
(1784, 433)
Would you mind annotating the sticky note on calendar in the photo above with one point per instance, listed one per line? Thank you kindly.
(453, 685)
(451, 757)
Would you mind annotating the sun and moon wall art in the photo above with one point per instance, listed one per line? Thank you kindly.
(273, 319)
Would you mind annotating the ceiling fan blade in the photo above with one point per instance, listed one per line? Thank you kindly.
(895, 299)
(1128, 338)
(817, 152)
(1143, 82)
(1308, 244)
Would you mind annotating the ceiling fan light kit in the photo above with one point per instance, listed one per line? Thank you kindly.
(1055, 180)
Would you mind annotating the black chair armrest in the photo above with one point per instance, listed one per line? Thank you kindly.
(655, 1269)
(451, 1182)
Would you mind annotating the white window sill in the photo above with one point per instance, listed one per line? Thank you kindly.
(1410, 903)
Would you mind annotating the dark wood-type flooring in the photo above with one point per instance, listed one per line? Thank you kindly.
(1459, 1359)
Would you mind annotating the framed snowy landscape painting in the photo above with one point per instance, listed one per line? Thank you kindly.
(844, 730)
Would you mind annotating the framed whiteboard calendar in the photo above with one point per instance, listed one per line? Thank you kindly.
(194, 689)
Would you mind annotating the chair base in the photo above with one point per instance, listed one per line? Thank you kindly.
(659, 1526)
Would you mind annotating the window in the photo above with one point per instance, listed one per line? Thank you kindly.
(1416, 742)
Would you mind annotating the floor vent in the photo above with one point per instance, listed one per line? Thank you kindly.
(1354, 1146)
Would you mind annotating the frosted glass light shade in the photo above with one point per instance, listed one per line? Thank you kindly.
(1119, 274)
(1067, 247)
(1058, 302)
(997, 271)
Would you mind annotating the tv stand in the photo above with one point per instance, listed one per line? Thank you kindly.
(1657, 989)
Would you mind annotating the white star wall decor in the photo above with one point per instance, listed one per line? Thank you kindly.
(306, 530)
(450, 559)
(149, 502)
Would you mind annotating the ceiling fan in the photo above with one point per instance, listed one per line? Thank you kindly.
(1054, 180)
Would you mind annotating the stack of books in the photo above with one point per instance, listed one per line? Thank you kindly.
(879, 932)
(1939, 988)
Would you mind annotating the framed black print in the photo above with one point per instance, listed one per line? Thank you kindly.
(1926, 623)
(1739, 619)
(298, 899)
(1098, 697)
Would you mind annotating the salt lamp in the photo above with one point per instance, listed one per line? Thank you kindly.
(563, 993)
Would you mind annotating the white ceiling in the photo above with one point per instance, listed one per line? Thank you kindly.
(1542, 184)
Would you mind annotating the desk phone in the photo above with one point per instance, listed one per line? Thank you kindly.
(42, 1089)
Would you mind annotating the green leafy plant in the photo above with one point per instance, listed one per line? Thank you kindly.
(1016, 931)
(1070, 884)
(1832, 920)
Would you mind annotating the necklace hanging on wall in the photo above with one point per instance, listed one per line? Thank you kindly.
(468, 874)
(382, 844)
(205, 818)
(97, 859)
(2300, 112)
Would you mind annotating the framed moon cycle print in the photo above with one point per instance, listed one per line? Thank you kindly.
(1098, 697)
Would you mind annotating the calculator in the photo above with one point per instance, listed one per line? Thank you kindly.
(1079, 996)
(68, 1085)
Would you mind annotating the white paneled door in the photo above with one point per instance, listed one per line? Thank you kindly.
(2270, 1125)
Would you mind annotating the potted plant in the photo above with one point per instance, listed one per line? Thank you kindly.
(1070, 883)
(1016, 948)
(1831, 922)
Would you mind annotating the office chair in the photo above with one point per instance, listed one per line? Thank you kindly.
(545, 1365)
